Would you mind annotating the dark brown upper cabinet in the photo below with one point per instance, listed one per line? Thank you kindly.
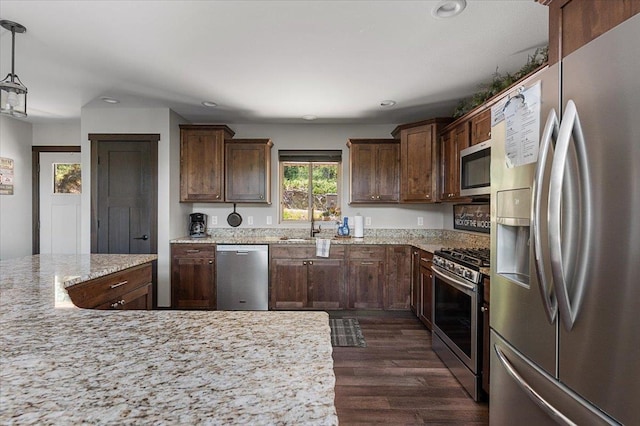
(374, 169)
(202, 162)
(419, 165)
(247, 170)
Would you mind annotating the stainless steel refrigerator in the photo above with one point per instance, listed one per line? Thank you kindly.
(565, 245)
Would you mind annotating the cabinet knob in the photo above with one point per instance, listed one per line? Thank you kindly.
(304, 263)
(484, 309)
(217, 196)
(211, 262)
(311, 262)
(261, 197)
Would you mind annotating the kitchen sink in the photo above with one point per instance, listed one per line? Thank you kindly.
(297, 240)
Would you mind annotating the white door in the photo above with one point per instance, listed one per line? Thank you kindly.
(60, 192)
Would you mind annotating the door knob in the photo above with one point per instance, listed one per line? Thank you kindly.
(144, 237)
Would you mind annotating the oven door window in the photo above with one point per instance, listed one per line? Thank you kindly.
(453, 314)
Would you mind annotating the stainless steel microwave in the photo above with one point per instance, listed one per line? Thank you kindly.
(475, 170)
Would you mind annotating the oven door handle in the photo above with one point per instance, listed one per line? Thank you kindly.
(453, 281)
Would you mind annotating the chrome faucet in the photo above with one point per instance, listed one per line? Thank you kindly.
(314, 231)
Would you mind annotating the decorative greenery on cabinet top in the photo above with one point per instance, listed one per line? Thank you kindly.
(501, 82)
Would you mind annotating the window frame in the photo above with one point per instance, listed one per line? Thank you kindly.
(305, 161)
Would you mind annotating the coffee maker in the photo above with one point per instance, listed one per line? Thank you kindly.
(197, 225)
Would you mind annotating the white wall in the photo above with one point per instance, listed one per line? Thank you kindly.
(64, 133)
(319, 136)
(138, 120)
(15, 210)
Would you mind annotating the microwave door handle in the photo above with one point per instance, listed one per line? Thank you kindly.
(549, 136)
(569, 308)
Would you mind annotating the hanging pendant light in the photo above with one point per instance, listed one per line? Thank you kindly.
(13, 95)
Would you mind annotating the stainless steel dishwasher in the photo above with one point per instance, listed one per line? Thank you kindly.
(242, 277)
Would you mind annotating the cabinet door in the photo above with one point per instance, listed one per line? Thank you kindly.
(374, 170)
(288, 284)
(388, 173)
(248, 170)
(426, 303)
(415, 281)
(326, 284)
(398, 282)
(193, 283)
(481, 127)
(362, 158)
(366, 278)
(417, 158)
(456, 141)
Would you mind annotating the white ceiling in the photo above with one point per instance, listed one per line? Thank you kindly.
(265, 61)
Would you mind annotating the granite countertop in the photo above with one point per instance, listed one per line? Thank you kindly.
(61, 364)
(424, 242)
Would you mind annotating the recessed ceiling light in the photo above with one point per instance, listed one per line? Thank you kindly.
(309, 117)
(109, 100)
(448, 8)
(209, 104)
(387, 103)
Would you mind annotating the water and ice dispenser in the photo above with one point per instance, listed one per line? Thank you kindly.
(513, 221)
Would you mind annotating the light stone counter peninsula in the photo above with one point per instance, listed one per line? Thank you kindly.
(63, 365)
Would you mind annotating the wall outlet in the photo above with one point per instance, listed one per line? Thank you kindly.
(367, 221)
(269, 220)
(420, 221)
(214, 220)
(250, 220)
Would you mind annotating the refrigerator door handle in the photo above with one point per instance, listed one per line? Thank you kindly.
(549, 136)
(531, 393)
(569, 126)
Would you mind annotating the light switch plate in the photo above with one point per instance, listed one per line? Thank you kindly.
(214, 220)
(250, 220)
(420, 221)
(367, 221)
(269, 220)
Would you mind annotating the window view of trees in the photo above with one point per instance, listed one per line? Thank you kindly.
(67, 179)
(307, 186)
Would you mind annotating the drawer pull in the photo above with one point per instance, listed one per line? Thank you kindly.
(193, 251)
(121, 283)
(366, 263)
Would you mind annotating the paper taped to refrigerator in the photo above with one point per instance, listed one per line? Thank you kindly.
(522, 116)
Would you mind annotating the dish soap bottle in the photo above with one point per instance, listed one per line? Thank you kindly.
(345, 226)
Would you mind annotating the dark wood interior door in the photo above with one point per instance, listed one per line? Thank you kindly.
(124, 193)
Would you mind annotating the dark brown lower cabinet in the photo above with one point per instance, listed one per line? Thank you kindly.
(299, 280)
(131, 288)
(415, 281)
(426, 287)
(366, 277)
(398, 282)
(193, 276)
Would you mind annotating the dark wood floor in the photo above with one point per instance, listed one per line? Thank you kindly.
(397, 379)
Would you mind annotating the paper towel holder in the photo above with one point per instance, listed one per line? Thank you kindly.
(358, 226)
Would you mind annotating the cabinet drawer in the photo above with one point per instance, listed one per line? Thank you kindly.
(99, 291)
(193, 250)
(367, 252)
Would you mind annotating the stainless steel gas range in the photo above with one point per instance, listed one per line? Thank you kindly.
(457, 319)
